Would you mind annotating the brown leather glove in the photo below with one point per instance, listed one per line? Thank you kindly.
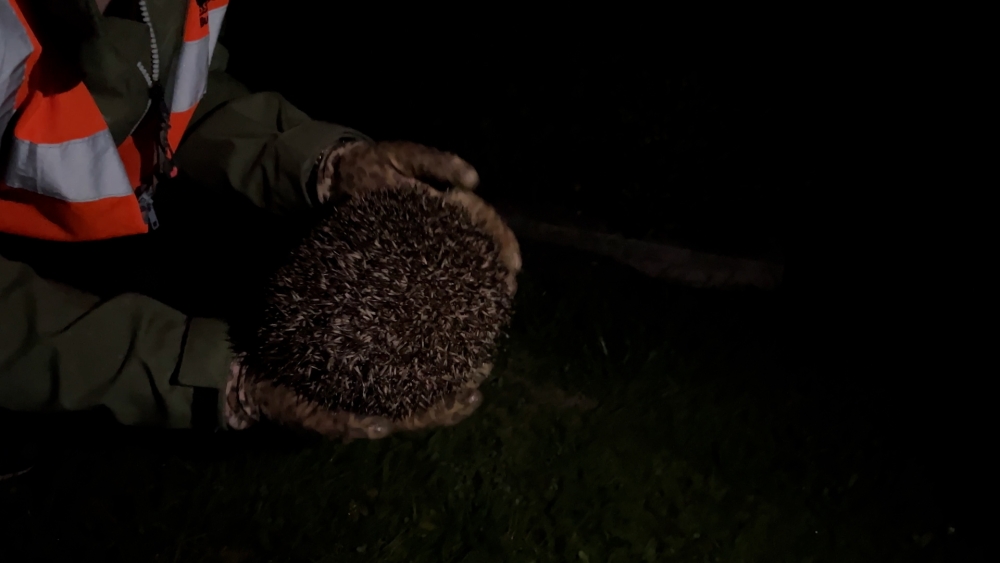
(362, 165)
(250, 402)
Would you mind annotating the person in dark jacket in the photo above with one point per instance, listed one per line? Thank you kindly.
(101, 102)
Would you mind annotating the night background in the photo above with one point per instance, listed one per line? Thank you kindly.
(842, 416)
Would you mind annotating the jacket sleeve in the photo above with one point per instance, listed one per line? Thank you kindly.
(256, 143)
(65, 350)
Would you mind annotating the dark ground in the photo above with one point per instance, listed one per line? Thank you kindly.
(841, 418)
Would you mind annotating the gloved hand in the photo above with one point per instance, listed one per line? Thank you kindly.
(248, 402)
(359, 166)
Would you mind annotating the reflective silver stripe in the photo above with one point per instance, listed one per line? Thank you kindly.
(15, 46)
(86, 169)
(192, 75)
(215, 18)
(192, 68)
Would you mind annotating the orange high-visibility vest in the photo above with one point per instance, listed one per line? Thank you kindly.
(64, 179)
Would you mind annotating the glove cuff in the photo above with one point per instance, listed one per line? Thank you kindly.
(326, 170)
(239, 410)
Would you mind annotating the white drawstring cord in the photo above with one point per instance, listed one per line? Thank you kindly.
(154, 49)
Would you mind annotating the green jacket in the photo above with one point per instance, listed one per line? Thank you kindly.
(64, 349)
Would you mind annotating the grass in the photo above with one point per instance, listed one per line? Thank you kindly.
(627, 421)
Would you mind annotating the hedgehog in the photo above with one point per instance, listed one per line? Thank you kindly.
(393, 304)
